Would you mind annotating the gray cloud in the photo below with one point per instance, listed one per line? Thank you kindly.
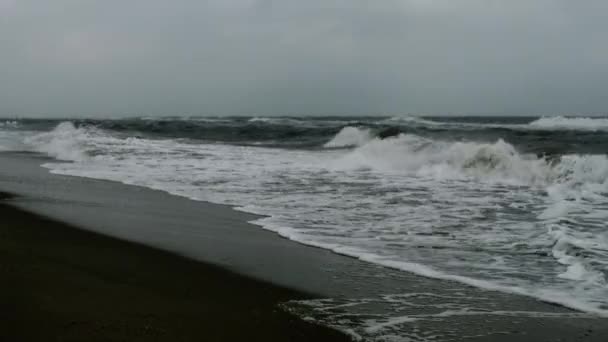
(153, 57)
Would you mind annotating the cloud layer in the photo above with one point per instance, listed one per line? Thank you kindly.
(153, 57)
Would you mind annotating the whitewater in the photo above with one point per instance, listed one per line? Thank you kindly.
(518, 206)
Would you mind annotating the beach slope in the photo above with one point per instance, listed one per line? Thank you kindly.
(62, 283)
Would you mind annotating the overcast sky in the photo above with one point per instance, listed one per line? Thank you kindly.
(272, 57)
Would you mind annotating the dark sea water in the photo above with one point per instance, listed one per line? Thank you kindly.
(529, 134)
(513, 204)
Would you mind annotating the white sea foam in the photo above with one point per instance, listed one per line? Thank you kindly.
(482, 214)
(421, 316)
(350, 136)
(422, 157)
(65, 142)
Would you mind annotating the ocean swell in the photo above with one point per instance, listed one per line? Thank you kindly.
(570, 123)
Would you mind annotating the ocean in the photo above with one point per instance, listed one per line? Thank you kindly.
(512, 204)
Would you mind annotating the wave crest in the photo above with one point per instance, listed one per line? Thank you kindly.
(350, 136)
(448, 160)
(497, 162)
(66, 142)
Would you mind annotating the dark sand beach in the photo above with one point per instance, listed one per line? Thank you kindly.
(64, 284)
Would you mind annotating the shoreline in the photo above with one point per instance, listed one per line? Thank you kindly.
(65, 283)
(211, 233)
(221, 237)
(253, 217)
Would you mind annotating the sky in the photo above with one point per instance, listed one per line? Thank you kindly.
(302, 57)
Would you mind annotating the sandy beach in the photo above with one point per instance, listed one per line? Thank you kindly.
(64, 284)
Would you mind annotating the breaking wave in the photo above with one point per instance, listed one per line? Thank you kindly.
(405, 154)
(349, 137)
(553, 206)
(66, 142)
(420, 156)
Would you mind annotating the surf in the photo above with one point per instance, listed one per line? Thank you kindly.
(414, 202)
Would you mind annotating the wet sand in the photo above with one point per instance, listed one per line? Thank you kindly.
(60, 283)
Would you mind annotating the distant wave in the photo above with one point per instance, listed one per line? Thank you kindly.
(566, 123)
(544, 136)
(185, 118)
(9, 123)
(414, 121)
(409, 153)
(277, 121)
(544, 123)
